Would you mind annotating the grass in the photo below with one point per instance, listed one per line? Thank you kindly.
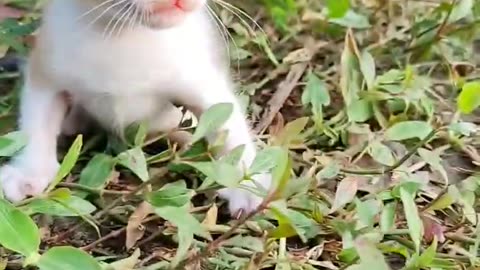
(367, 114)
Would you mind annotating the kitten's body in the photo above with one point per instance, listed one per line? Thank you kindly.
(129, 74)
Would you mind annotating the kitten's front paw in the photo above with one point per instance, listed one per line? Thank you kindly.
(19, 180)
(242, 200)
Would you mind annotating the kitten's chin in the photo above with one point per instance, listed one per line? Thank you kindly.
(166, 20)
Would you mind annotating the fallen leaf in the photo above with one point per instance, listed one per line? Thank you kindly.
(134, 227)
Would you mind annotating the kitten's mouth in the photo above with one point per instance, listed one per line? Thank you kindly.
(163, 9)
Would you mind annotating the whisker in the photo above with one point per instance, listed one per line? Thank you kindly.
(95, 8)
(235, 11)
(221, 29)
(114, 18)
(133, 19)
(229, 35)
(105, 12)
(124, 19)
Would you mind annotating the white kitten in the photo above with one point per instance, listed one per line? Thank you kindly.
(122, 61)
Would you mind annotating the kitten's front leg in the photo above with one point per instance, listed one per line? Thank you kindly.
(41, 112)
(199, 98)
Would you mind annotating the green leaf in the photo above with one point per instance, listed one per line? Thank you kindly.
(433, 159)
(65, 207)
(69, 162)
(367, 66)
(18, 232)
(415, 225)
(315, 94)
(408, 130)
(11, 143)
(360, 110)
(370, 256)
(67, 258)
(463, 128)
(134, 160)
(175, 194)
(387, 218)
(352, 20)
(234, 156)
(337, 8)
(223, 173)
(428, 256)
(381, 153)
(181, 217)
(266, 159)
(249, 242)
(367, 210)
(98, 170)
(291, 132)
(460, 10)
(469, 98)
(286, 226)
(445, 201)
(212, 119)
(346, 191)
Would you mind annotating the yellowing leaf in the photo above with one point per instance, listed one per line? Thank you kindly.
(346, 191)
(469, 98)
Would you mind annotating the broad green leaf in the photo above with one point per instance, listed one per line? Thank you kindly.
(346, 191)
(315, 94)
(433, 159)
(291, 132)
(212, 120)
(408, 130)
(367, 66)
(11, 143)
(370, 256)
(353, 20)
(234, 157)
(68, 162)
(68, 207)
(360, 110)
(185, 240)
(415, 225)
(463, 128)
(175, 194)
(460, 10)
(249, 242)
(469, 98)
(134, 160)
(266, 159)
(67, 258)
(367, 210)
(337, 8)
(18, 232)
(181, 217)
(223, 173)
(381, 153)
(286, 226)
(387, 218)
(329, 172)
(428, 255)
(97, 171)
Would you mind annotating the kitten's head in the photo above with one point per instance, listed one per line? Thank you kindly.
(152, 13)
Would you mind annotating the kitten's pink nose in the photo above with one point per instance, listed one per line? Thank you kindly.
(185, 5)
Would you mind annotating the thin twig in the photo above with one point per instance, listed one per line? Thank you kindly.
(397, 164)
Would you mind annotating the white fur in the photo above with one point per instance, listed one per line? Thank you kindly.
(131, 75)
